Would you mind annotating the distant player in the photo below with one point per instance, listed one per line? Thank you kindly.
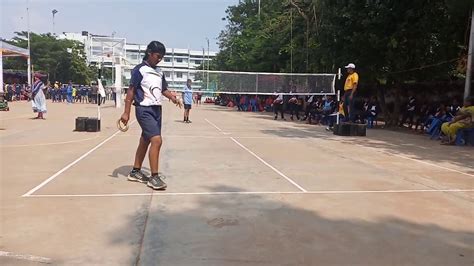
(188, 100)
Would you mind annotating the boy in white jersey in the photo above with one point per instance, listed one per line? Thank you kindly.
(147, 85)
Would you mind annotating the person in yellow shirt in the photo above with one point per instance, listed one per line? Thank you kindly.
(74, 91)
(350, 88)
(464, 119)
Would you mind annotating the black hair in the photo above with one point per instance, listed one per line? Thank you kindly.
(155, 47)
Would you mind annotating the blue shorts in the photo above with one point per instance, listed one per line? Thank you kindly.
(149, 118)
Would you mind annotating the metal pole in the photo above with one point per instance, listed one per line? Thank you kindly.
(291, 40)
(207, 63)
(338, 102)
(203, 64)
(189, 62)
(258, 9)
(29, 47)
(467, 87)
(54, 11)
(172, 67)
(1, 71)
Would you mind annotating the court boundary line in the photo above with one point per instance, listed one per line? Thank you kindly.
(50, 143)
(51, 178)
(228, 193)
(214, 125)
(258, 158)
(401, 156)
(269, 165)
(26, 257)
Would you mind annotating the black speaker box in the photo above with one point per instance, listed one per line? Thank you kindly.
(81, 123)
(342, 129)
(92, 124)
(350, 129)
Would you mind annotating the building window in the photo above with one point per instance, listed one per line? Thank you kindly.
(179, 75)
(167, 74)
(179, 60)
(167, 59)
(197, 62)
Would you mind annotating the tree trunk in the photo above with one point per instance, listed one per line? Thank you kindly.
(381, 100)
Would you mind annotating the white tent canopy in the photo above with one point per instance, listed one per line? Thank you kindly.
(8, 50)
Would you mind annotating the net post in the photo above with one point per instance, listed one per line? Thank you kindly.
(118, 86)
(338, 102)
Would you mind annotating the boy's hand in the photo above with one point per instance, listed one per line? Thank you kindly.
(178, 103)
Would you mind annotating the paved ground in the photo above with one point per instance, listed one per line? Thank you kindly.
(243, 190)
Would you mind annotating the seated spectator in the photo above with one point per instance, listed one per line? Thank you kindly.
(268, 104)
(314, 110)
(437, 119)
(453, 108)
(422, 117)
(253, 104)
(464, 119)
(371, 112)
(242, 103)
(328, 109)
(333, 117)
(293, 106)
(309, 101)
(409, 112)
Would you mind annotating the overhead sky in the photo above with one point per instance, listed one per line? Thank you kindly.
(176, 23)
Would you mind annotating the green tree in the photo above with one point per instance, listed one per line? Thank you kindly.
(62, 59)
(391, 41)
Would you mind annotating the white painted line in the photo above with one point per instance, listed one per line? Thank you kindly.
(165, 194)
(269, 165)
(71, 164)
(217, 193)
(16, 117)
(51, 143)
(25, 257)
(419, 161)
(405, 157)
(212, 124)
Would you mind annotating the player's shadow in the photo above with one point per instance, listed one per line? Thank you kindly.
(294, 229)
(125, 170)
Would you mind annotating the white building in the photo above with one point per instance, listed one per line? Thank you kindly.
(178, 64)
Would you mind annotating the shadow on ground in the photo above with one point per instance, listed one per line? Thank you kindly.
(125, 170)
(271, 230)
(401, 142)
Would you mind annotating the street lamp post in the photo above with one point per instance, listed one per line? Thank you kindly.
(467, 88)
(207, 62)
(29, 47)
(54, 11)
(259, 9)
(203, 64)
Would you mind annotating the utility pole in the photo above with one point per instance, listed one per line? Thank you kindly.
(207, 63)
(54, 11)
(29, 47)
(467, 87)
(291, 40)
(259, 9)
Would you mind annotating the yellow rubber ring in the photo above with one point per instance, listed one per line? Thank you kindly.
(122, 127)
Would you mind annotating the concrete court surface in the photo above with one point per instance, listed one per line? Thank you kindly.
(243, 189)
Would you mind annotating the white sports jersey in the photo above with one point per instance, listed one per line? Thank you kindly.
(149, 84)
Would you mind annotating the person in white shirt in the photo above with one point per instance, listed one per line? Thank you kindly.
(147, 86)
